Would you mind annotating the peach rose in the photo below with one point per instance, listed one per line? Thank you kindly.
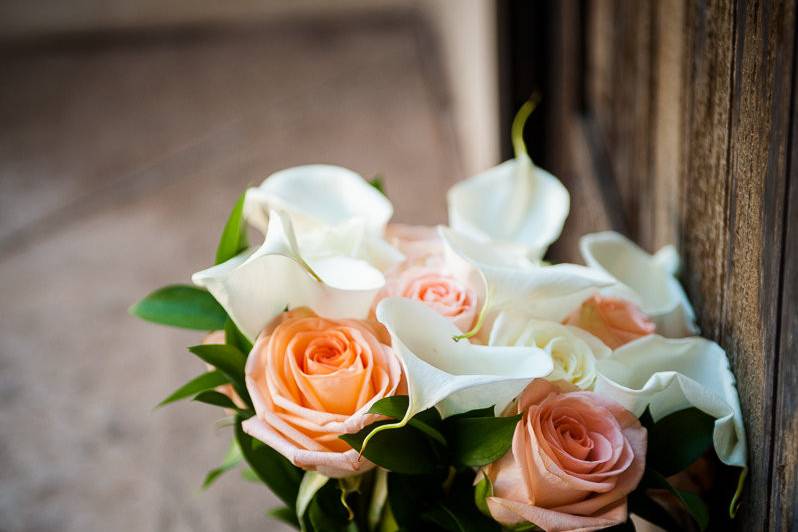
(575, 457)
(614, 321)
(432, 286)
(312, 379)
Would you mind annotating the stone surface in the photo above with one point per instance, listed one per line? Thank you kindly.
(119, 162)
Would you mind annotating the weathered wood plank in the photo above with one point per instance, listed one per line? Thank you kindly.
(784, 488)
(667, 124)
(759, 130)
(707, 91)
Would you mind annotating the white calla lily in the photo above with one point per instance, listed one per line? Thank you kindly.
(318, 194)
(255, 287)
(574, 352)
(454, 376)
(516, 205)
(648, 280)
(667, 375)
(333, 209)
(542, 292)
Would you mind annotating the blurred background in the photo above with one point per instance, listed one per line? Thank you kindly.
(128, 131)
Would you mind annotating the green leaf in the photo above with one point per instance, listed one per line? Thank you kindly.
(271, 467)
(403, 450)
(479, 412)
(478, 441)
(250, 476)
(482, 491)
(234, 236)
(396, 406)
(284, 514)
(311, 483)
(233, 336)
(227, 359)
(457, 511)
(214, 398)
(678, 440)
(327, 514)
(183, 306)
(692, 502)
(206, 381)
(379, 183)
(231, 459)
(409, 496)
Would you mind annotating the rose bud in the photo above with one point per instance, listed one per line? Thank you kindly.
(614, 321)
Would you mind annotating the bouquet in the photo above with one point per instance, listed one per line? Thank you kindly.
(383, 377)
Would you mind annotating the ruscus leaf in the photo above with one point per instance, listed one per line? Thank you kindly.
(234, 236)
(273, 469)
(678, 440)
(183, 306)
(478, 441)
(206, 381)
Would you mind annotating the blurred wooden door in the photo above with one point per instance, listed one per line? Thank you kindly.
(674, 122)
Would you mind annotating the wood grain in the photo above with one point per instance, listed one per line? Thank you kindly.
(705, 147)
(762, 91)
(784, 488)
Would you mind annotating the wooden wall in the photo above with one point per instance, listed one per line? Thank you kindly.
(675, 122)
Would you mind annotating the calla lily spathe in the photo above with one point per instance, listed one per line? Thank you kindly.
(333, 210)
(647, 280)
(515, 204)
(318, 194)
(543, 292)
(255, 286)
(667, 375)
(455, 376)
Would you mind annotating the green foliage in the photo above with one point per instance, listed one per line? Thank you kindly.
(691, 502)
(234, 236)
(678, 440)
(231, 460)
(227, 359)
(206, 381)
(396, 406)
(234, 337)
(379, 183)
(214, 398)
(404, 450)
(272, 468)
(183, 306)
(480, 440)
(284, 514)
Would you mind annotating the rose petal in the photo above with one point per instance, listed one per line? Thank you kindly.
(644, 279)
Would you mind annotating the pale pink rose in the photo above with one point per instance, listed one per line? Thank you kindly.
(420, 244)
(614, 321)
(432, 286)
(311, 380)
(574, 459)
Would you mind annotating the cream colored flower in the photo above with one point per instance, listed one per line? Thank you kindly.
(573, 351)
